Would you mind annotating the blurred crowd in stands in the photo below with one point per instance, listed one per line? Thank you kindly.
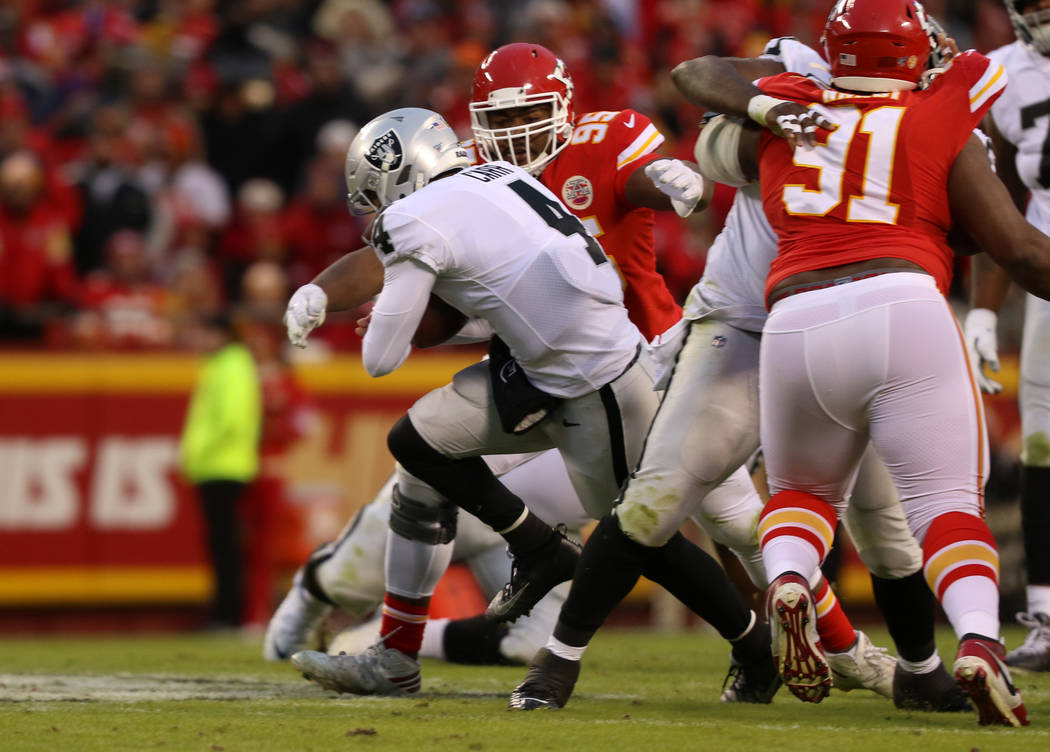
(164, 160)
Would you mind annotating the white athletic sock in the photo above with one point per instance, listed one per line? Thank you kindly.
(972, 606)
(787, 553)
(434, 639)
(920, 667)
(568, 652)
(1038, 597)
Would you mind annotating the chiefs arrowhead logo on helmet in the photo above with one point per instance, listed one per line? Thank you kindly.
(385, 153)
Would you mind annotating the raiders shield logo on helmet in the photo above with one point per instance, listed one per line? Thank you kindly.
(385, 153)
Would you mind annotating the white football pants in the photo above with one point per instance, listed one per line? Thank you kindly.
(880, 359)
(705, 429)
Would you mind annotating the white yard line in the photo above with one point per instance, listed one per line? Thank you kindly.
(145, 688)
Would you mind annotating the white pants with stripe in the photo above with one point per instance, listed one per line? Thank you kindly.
(880, 359)
(706, 428)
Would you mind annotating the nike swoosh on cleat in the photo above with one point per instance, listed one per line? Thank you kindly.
(568, 424)
(629, 122)
(1003, 670)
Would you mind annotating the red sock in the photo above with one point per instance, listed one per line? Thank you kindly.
(799, 515)
(836, 631)
(403, 624)
(958, 545)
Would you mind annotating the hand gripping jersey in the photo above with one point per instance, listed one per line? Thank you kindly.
(1022, 115)
(876, 186)
(590, 177)
(505, 250)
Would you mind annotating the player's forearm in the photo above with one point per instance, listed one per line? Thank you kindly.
(982, 206)
(396, 316)
(712, 83)
(1029, 265)
(722, 84)
(352, 280)
(989, 283)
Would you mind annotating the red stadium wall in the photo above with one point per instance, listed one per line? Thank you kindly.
(93, 514)
(92, 510)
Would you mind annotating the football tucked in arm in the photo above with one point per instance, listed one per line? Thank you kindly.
(440, 321)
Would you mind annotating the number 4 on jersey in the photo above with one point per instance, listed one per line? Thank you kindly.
(556, 217)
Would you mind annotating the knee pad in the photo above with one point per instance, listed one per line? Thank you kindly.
(414, 520)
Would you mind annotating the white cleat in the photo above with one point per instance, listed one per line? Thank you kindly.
(797, 649)
(1034, 652)
(864, 666)
(295, 624)
(377, 671)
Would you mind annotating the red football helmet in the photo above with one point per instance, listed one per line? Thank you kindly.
(522, 75)
(876, 45)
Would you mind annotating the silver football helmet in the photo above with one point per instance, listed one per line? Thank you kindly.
(398, 153)
(1032, 27)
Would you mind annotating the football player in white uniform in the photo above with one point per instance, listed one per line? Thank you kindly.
(567, 368)
(727, 513)
(1019, 125)
(348, 573)
(713, 392)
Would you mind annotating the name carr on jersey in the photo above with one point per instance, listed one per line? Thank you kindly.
(486, 173)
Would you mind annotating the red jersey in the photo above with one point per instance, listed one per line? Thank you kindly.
(878, 185)
(133, 315)
(36, 262)
(590, 177)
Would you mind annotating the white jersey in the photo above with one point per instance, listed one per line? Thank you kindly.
(504, 249)
(1022, 115)
(733, 285)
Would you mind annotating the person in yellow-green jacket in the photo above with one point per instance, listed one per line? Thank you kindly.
(219, 456)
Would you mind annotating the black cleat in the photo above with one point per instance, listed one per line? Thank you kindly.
(754, 680)
(533, 576)
(548, 684)
(935, 692)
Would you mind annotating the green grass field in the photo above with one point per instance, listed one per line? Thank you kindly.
(639, 690)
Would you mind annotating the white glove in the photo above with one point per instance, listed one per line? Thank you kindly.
(674, 177)
(790, 120)
(305, 313)
(983, 345)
